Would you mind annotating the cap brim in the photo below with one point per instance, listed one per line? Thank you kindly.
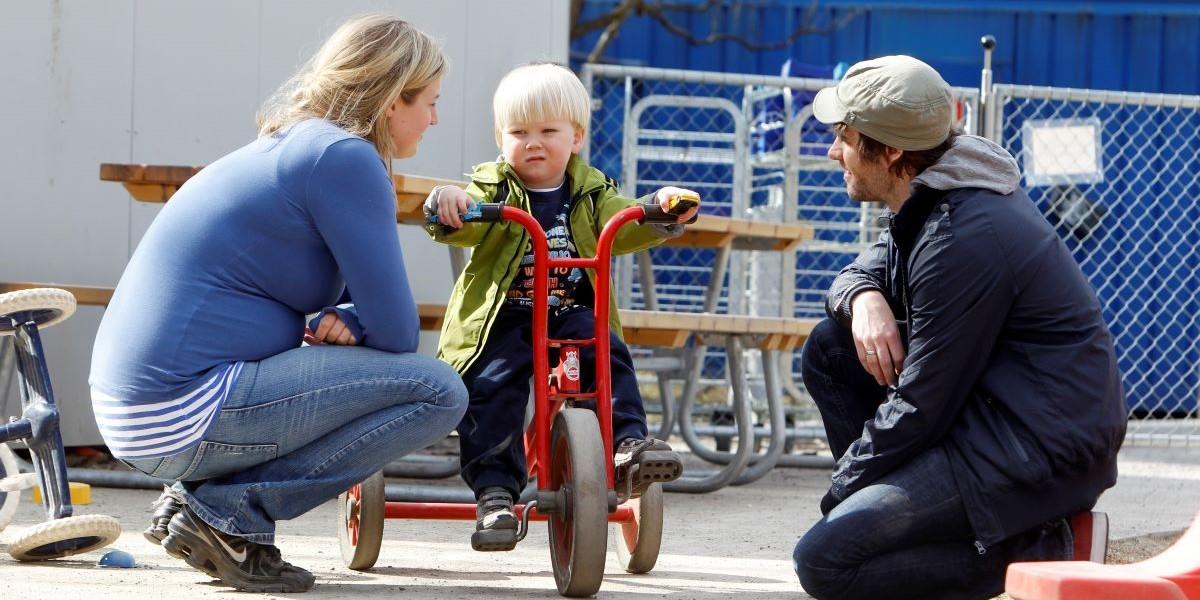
(827, 108)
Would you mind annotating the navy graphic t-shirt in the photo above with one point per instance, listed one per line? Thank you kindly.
(568, 286)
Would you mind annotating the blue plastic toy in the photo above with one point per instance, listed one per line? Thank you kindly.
(117, 559)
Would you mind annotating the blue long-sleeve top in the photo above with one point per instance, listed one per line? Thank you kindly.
(275, 230)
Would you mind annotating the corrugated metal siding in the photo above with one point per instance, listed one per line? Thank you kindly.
(1121, 45)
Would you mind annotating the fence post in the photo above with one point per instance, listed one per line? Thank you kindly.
(984, 122)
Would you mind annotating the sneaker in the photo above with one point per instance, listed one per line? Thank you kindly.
(495, 521)
(641, 462)
(245, 565)
(165, 507)
(1090, 530)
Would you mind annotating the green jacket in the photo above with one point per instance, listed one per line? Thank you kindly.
(480, 290)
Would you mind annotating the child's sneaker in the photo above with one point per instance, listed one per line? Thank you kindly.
(641, 462)
(165, 507)
(245, 565)
(1090, 530)
(495, 521)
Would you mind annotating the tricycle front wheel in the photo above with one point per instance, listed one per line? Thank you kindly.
(579, 524)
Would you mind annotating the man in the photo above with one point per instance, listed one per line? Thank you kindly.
(967, 382)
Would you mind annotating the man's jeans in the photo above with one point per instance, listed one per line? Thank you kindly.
(906, 535)
(303, 426)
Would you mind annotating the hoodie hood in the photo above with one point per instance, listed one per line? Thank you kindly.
(973, 162)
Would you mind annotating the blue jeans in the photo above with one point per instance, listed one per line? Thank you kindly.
(906, 535)
(301, 427)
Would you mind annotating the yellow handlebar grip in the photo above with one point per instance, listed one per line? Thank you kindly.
(681, 202)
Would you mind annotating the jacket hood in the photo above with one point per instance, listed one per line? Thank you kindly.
(973, 162)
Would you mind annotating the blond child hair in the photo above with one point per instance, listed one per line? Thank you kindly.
(540, 92)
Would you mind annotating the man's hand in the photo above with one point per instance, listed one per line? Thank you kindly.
(330, 330)
(663, 196)
(451, 202)
(876, 337)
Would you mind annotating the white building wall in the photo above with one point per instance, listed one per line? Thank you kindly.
(143, 81)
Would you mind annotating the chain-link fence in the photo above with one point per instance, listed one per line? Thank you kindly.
(729, 137)
(1119, 175)
(750, 146)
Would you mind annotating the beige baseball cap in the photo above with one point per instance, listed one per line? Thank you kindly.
(897, 100)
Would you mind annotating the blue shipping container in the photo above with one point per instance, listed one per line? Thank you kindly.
(1104, 44)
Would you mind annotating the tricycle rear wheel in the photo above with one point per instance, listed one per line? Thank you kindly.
(360, 523)
(638, 542)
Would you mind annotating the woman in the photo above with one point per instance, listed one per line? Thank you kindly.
(198, 374)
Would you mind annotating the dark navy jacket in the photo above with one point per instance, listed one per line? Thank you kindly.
(1009, 365)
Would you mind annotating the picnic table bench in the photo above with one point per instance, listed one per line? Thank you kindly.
(686, 334)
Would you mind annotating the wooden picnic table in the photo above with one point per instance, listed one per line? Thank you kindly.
(157, 183)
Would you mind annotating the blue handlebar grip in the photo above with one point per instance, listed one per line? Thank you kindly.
(473, 214)
(480, 211)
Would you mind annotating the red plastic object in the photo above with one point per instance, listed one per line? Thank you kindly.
(1172, 575)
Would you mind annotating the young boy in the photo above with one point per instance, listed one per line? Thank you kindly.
(541, 113)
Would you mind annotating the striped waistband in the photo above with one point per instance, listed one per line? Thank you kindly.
(162, 428)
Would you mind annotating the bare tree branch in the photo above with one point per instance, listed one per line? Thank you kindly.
(576, 11)
(805, 27)
(617, 18)
(618, 14)
(612, 21)
(691, 7)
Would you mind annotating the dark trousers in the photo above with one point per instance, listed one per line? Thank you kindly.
(491, 432)
(905, 535)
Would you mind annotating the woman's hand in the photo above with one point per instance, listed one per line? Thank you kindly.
(664, 200)
(331, 330)
(876, 336)
(451, 203)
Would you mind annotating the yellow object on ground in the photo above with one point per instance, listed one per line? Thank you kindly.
(81, 493)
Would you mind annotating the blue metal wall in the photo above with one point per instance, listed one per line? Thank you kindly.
(1107, 44)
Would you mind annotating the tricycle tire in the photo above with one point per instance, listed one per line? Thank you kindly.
(360, 523)
(579, 525)
(638, 542)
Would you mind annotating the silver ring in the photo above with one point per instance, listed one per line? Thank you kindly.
(870, 353)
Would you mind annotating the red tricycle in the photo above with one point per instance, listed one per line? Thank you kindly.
(571, 460)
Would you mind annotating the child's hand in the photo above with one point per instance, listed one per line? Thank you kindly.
(452, 202)
(664, 200)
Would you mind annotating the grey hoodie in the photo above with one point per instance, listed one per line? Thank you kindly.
(973, 162)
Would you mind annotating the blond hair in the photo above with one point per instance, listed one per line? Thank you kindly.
(354, 78)
(540, 92)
